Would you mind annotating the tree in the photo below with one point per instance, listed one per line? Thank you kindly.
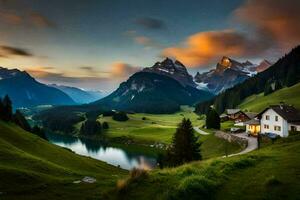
(213, 119)
(21, 121)
(1, 109)
(184, 147)
(7, 109)
(39, 132)
(120, 116)
(91, 127)
(105, 125)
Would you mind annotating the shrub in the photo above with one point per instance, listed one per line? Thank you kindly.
(144, 118)
(272, 181)
(105, 125)
(120, 116)
(293, 133)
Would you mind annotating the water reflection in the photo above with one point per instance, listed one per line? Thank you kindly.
(96, 149)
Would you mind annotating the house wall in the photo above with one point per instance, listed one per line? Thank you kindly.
(252, 128)
(271, 122)
(297, 127)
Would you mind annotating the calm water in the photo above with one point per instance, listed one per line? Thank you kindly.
(95, 149)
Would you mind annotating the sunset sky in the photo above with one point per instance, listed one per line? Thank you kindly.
(96, 44)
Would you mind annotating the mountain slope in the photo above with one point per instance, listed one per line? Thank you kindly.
(32, 168)
(152, 93)
(78, 95)
(25, 91)
(257, 103)
(228, 73)
(285, 72)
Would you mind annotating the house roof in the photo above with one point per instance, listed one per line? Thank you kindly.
(253, 122)
(251, 115)
(232, 111)
(223, 115)
(289, 113)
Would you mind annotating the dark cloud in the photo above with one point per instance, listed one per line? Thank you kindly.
(278, 20)
(151, 23)
(7, 51)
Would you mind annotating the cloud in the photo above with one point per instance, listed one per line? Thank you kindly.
(8, 51)
(147, 42)
(121, 69)
(204, 48)
(15, 12)
(39, 20)
(151, 23)
(278, 19)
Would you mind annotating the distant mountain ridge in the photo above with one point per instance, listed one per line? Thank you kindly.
(25, 91)
(175, 70)
(80, 96)
(228, 73)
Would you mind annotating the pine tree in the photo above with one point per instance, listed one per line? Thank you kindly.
(39, 132)
(21, 121)
(185, 146)
(7, 109)
(1, 110)
(213, 119)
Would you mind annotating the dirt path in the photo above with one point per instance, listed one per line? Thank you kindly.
(198, 130)
(252, 144)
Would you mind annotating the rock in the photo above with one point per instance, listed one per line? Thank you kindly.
(88, 179)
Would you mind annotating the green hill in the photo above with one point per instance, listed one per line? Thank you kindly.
(272, 172)
(32, 168)
(256, 103)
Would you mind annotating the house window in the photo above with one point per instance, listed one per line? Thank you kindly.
(293, 128)
(276, 118)
(267, 117)
(266, 126)
(277, 128)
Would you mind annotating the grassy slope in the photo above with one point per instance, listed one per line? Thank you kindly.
(273, 172)
(32, 168)
(156, 128)
(256, 103)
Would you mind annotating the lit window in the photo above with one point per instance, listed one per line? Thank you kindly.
(276, 118)
(277, 128)
(267, 117)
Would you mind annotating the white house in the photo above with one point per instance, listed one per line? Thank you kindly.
(279, 119)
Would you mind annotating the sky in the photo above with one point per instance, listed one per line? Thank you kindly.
(97, 44)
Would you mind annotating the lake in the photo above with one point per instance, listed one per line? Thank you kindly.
(97, 150)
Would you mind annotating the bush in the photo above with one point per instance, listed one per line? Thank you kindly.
(293, 133)
(144, 118)
(90, 127)
(134, 176)
(120, 116)
(272, 181)
(105, 125)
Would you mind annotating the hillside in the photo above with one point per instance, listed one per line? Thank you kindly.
(147, 92)
(269, 173)
(256, 103)
(32, 168)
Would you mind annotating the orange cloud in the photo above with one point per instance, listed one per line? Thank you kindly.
(120, 69)
(277, 19)
(10, 18)
(206, 47)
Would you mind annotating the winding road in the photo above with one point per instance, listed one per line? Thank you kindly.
(252, 142)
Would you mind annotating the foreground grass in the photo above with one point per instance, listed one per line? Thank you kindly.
(32, 168)
(256, 103)
(273, 172)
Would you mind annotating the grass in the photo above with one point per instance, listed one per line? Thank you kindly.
(256, 103)
(155, 128)
(32, 168)
(272, 172)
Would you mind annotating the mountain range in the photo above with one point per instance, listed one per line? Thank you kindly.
(25, 91)
(228, 73)
(80, 96)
